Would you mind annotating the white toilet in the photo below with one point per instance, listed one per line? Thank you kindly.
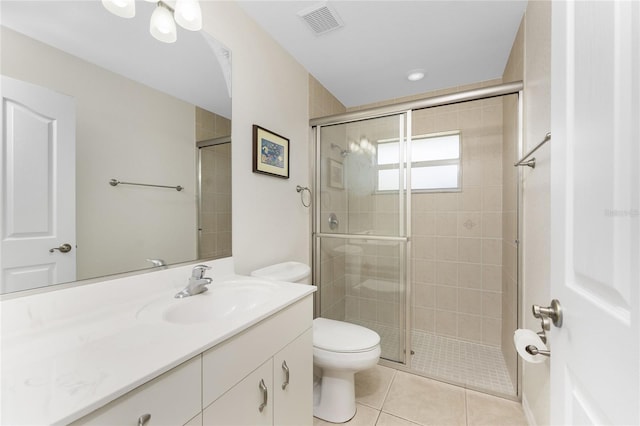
(340, 350)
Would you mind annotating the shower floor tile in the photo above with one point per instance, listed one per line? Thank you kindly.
(471, 364)
(448, 359)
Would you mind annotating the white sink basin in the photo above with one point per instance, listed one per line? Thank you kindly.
(221, 301)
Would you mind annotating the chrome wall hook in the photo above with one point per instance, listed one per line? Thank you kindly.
(547, 315)
(553, 312)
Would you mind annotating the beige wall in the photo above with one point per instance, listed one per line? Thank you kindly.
(536, 198)
(270, 89)
(321, 102)
(129, 132)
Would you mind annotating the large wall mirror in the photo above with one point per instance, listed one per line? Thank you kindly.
(89, 98)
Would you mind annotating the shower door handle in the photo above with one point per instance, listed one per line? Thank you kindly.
(333, 221)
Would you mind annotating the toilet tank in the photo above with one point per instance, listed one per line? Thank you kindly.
(293, 272)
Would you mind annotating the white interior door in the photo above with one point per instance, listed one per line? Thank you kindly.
(595, 362)
(38, 186)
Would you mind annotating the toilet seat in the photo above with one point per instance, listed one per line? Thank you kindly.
(343, 337)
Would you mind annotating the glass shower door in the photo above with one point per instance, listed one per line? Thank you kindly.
(361, 228)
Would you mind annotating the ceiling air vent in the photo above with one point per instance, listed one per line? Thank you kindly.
(321, 18)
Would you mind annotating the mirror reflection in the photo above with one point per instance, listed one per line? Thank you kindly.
(89, 97)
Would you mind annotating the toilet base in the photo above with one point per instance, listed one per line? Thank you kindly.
(334, 396)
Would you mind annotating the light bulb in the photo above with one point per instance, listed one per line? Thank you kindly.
(122, 8)
(415, 75)
(162, 25)
(188, 14)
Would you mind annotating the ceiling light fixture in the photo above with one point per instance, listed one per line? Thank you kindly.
(188, 15)
(122, 8)
(415, 75)
(162, 26)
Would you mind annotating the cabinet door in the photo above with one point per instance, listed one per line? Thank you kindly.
(293, 402)
(240, 406)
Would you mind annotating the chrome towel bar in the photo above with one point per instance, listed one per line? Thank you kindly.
(532, 163)
(116, 182)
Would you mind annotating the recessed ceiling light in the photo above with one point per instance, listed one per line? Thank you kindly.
(415, 75)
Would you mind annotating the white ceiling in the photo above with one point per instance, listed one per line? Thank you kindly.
(188, 69)
(367, 60)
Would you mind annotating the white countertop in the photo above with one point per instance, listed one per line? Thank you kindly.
(66, 353)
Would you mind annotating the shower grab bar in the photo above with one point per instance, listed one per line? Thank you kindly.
(362, 237)
(116, 182)
(532, 163)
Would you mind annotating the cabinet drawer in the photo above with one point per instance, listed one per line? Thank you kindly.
(173, 399)
(225, 365)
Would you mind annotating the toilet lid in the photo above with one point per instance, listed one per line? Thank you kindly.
(339, 336)
(286, 271)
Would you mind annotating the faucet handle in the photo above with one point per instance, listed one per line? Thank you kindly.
(199, 270)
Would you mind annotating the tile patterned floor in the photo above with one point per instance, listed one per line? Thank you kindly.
(388, 397)
(452, 360)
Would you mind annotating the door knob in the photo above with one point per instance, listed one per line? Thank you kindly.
(64, 248)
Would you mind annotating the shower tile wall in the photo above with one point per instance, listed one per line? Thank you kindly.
(457, 236)
(215, 215)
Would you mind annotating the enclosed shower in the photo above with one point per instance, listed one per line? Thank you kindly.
(416, 230)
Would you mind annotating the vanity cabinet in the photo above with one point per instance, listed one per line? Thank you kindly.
(231, 381)
(173, 398)
(251, 370)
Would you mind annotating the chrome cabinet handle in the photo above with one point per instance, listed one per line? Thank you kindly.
(265, 395)
(64, 248)
(143, 419)
(285, 368)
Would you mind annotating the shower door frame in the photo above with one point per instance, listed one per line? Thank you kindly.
(404, 224)
(504, 89)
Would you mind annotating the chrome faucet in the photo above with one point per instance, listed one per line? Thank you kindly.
(197, 282)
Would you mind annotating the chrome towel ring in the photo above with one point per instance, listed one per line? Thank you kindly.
(301, 190)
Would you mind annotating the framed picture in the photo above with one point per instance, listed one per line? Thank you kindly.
(270, 153)
(336, 174)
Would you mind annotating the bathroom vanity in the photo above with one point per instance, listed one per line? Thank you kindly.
(240, 353)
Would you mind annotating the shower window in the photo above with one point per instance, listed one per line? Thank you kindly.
(436, 164)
